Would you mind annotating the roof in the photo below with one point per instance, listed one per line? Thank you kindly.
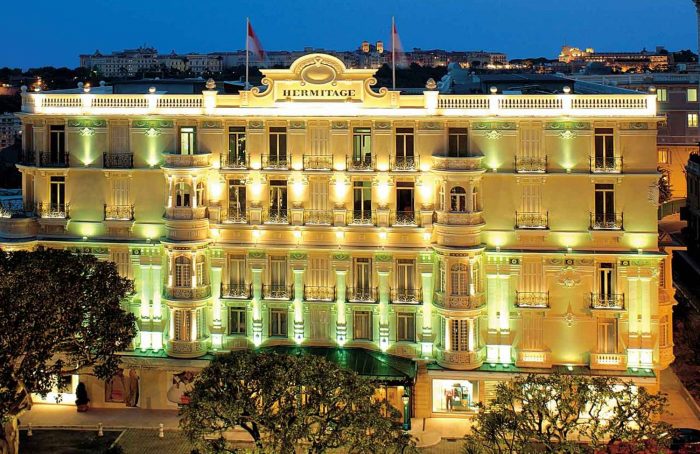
(375, 365)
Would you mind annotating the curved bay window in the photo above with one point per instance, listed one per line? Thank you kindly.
(183, 272)
(458, 199)
(459, 279)
(182, 194)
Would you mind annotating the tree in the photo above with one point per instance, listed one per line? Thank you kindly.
(284, 400)
(60, 314)
(567, 413)
(665, 189)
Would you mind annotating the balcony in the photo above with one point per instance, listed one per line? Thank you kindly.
(50, 159)
(270, 162)
(318, 162)
(117, 160)
(406, 295)
(458, 360)
(613, 301)
(119, 212)
(459, 217)
(525, 220)
(319, 293)
(531, 164)
(14, 208)
(318, 217)
(276, 216)
(27, 158)
(403, 218)
(362, 294)
(235, 216)
(278, 292)
(611, 361)
(187, 160)
(459, 302)
(186, 349)
(471, 163)
(187, 293)
(52, 210)
(361, 165)
(236, 291)
(405, 163)
(611, 164)
(532, 300)
(232, 161)
(606, 221)
(186, 213)
(364, 217)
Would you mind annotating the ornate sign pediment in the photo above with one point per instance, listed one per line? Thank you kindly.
(317, 77)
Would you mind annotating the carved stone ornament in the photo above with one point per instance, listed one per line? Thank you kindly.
(568, 277)
(567, 135)
(152, 132)
(494, 135)
(653, 194)
(86, 132)
(569, 317)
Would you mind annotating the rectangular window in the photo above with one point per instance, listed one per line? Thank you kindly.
(278, 271)
(607, 335)
(183, 272)
(122, 259)
(533, 333)
(458, 142)
(404, 143)
(278, 145)
(363, 273)
(362, 199)
(119, 139)
(362, 146)
(319, 194)
(664, 156)
(319, 139)
(362, 325)
(692, 120)
(57, 142)
(662, 94)
(606, 280)
(278, 196)
(405, 274)
(236, 200)
(692, 95)
(278, 322)
(236, 270)
(405, 327)
(404, 202)
(236, 147)
(182, 324)
(459, 330)
(604, 148)
(319, 272)
(58, 194)
(120, 191)
(604, 202)
(188, 140)
(237, 321)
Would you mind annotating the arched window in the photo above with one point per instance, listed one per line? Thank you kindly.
(201, 194)
(458, 199)
(183, 272)
(459, 279)
(200, 269)
(182, 194)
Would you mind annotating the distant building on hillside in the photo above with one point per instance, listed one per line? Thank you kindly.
(659, 60)
(10, 127)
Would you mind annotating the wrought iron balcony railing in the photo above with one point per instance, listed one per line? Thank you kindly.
(173, 159)
(117, 160)
(606, 221)
(319, 293)
(49, 159)
(366, 164)
(233, 161)
(525, 220)
(403, 218)
(532, 299)
(405, 163)
(119, 212)
(187, 293)
(406, 295)
(276, 216)
(531, 164)
(318, 217)
(53, 210)
(608, 164)
(362, 294)
(607, 300)
(272, 162)
(278, 291)
(236, 290)
(14, 208)
(236, 216)
(365, 217)
(318, 162)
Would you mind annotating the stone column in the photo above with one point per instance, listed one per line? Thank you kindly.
(383, 309)
(157, 284)
(257, 310)
(145, 291)
(341, 325)
(298, 305)
(427, 335)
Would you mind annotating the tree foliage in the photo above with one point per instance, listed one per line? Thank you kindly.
(283, 401)
(60, 313)
(665, 189)
(567, 413)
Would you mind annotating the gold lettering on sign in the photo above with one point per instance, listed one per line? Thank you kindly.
(318, 93)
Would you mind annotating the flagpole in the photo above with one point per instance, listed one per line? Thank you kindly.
(247, 53)
(393, 54)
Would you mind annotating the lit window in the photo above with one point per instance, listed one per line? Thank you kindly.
(406, 327)
(692, 120)
(692, 95)
(661, 94)
(664, 156)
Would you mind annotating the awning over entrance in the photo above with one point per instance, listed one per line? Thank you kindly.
(378, 366)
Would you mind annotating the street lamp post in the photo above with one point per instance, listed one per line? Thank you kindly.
(406, 399)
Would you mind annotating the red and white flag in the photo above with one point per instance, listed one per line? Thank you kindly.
(254, 43)
(397, 49)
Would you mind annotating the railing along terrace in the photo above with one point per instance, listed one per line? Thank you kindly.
(119, 212)
(362, 294)
(532, 299)
(52, 159)
(236, 216)
(531, 164)
(233, 161)
(365, 217)
(606, 221)
(405, 163)
(534, 220)
(319, 293)
(276, 216)
(361, 164)
(406, 295)
(117, 160)
(611, 164)
(274, 162)
(236, 290)
(607, 300)
(403, 218)
(52, 210)
(278, 291)
(318, 217)
(318, 162)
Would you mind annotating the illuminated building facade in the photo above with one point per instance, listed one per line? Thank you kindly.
(473, 235)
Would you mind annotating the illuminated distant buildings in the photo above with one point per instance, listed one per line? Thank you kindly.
(451, 237)
(620, 61)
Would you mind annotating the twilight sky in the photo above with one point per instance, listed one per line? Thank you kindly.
(44, 32)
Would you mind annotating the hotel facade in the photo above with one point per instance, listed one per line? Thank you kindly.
(438, 242)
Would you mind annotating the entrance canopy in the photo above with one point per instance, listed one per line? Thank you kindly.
(377, 366)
